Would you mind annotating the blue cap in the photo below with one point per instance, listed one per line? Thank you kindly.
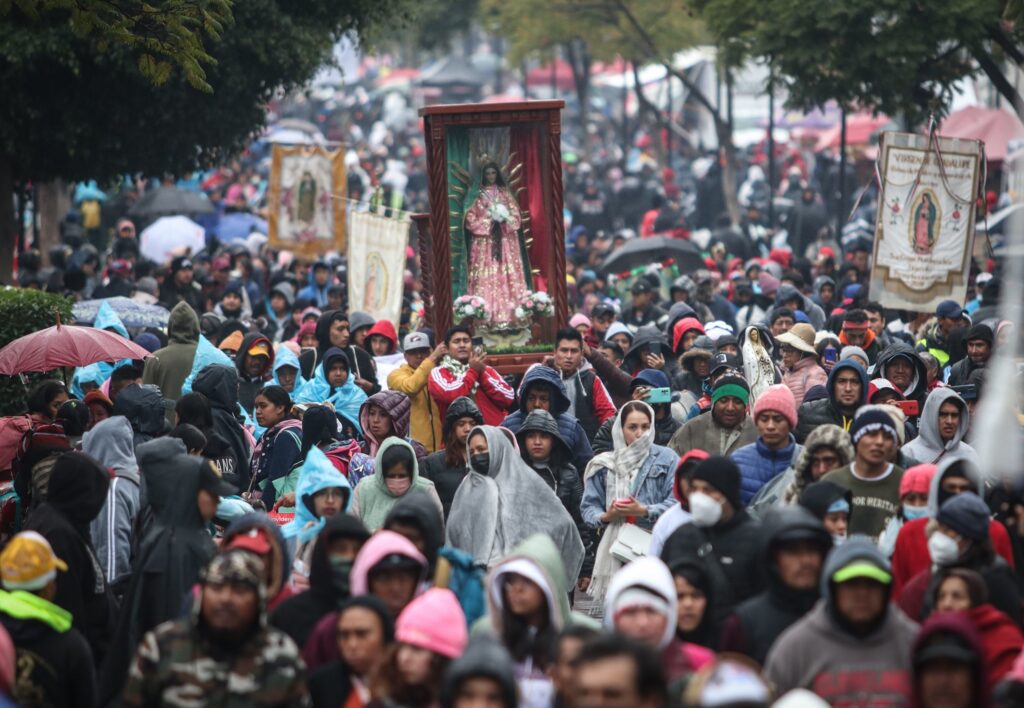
(653, 378)
(949, 308)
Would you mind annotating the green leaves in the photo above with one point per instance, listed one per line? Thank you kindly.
(892, 56)
(165, 33)
(23, 312)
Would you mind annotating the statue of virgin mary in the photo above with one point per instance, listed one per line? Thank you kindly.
(497, 268)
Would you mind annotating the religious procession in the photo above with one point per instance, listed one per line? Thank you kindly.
(472, 362)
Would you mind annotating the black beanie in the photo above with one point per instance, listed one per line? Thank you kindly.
(980, 331)
(722, 474)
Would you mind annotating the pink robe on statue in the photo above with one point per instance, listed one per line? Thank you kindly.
(499, 282)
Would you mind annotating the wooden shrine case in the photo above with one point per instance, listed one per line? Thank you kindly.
(466, 145)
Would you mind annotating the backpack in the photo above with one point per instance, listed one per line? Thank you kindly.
(457, 572)
(12, 430)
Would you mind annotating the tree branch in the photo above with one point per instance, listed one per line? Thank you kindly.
(1006, 44)
(995, 75)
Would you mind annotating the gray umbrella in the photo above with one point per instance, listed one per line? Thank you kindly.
(171, 200)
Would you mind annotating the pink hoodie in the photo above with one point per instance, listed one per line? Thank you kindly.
(381, 545)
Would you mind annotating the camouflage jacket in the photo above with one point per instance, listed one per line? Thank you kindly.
(176, 667)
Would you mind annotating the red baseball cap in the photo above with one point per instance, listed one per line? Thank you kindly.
(254, 540)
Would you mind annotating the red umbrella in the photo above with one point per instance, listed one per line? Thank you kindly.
(65, 345)
(860, 129)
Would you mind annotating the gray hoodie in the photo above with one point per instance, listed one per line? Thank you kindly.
(928, 447)
(819, 654)
(110, 443)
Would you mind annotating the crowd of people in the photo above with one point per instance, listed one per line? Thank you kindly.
(753, 486)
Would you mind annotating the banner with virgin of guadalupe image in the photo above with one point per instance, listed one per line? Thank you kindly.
(376, 264)
(925, 229)
(306, 200)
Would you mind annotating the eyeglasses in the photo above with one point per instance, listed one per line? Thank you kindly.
(330, 493)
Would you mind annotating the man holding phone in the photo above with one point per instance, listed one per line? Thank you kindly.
(464, 372)
(903, 368)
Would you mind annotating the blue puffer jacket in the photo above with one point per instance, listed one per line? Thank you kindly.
(759, 464)
(654, 489)
(571, 430)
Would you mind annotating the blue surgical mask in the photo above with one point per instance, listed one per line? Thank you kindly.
(914, 512)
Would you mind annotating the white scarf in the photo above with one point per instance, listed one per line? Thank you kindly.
(622, 465)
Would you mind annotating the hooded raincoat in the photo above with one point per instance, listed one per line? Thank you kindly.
(347, 399)
(110, 442)
(536, 558)
(169, 367)
(928, 447)
(918, 388)
(286, 357)
(143, 406)
(280, 562)
(317, 473)
(492, 513)
(220, 386)
(76, 494)
(173, 550)
(372, 501)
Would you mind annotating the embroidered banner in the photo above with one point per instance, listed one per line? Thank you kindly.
(925, 227)
(376, 264)
(306, 200)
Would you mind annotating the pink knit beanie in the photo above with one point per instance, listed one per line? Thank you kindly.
(780, 399)
(434, 621)
(917, 479)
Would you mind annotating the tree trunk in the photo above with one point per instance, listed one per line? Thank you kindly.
(54, 202)
(999, 80)
(8, 227)
(579, 59)
(727, 153)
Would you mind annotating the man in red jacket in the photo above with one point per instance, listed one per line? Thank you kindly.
(464, 372)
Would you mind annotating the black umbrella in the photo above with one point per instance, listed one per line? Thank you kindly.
(171, 200)
(640, 252)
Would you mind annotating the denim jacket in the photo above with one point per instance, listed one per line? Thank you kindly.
(653, 486)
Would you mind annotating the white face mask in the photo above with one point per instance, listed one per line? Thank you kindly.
(706, 511)
(838, 539)
(943, 550)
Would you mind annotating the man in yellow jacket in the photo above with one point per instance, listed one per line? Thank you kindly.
(411, 379)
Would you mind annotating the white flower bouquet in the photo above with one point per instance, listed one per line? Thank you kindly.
(499, 212)
(468, 306)
(535, 304)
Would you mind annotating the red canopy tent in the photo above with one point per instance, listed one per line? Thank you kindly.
(541, 76)
(860, 128)
(994, 126)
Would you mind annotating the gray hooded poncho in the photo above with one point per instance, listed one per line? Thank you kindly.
(491, 514)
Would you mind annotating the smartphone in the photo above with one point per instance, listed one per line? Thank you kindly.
(623, 502)
(831, 356)
(654, 348)
(911, 409)
(478, 341)
(659, 395)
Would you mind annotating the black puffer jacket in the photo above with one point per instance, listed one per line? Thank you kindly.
(447, 478)
(732, 565)
(759, 621)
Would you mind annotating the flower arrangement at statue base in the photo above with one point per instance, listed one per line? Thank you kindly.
(468, 308)
(531, 308)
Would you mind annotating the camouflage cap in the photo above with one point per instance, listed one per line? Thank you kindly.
(235, 567)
